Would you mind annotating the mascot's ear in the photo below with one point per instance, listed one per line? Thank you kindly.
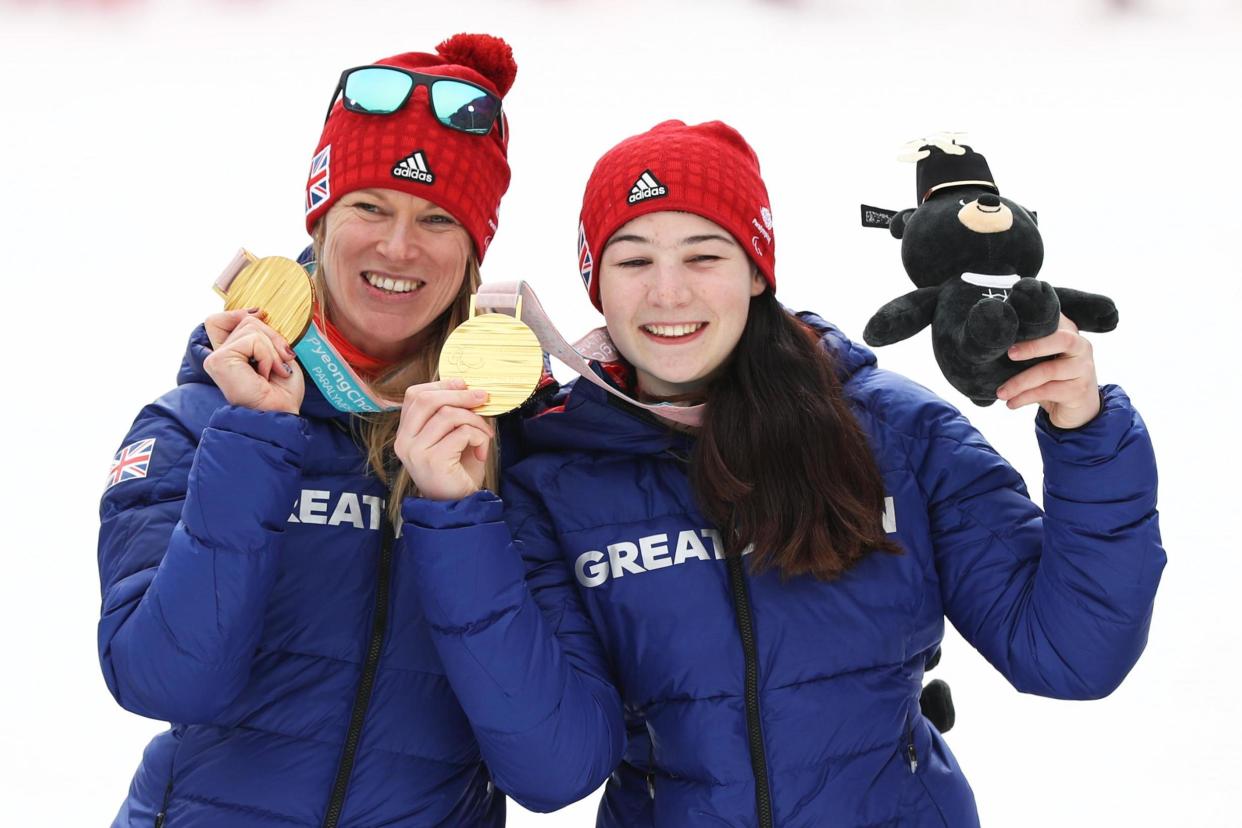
(897, 226)
(1034, 215)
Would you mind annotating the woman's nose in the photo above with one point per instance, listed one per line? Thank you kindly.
(400, 243)
(669, 287)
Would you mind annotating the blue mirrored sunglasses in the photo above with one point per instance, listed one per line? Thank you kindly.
(382, 90)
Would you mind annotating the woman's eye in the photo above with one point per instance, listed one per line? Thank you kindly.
(633, 262)
(365, 206)
(440, 220)
(705, 257)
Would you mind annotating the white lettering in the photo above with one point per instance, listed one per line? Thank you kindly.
(648, 193)
(591, 569)
(347, 510)
(717, 545)
(417, 175)
(766, 235)
(689, 546)
(350, 509)
(314, 506)
(621, 559)
(376, 505)
(655, 552)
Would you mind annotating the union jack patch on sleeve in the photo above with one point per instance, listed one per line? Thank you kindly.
(131, 462)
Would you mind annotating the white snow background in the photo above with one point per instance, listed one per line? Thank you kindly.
(142, 143)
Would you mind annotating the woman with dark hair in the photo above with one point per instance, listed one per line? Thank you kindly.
(251, 594)
(741, 614)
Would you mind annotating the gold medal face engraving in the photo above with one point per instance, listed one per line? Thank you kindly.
(279, 286)
(498, 354)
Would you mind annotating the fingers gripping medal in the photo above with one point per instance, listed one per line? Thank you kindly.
(280, 287)
(285, 291)
(496, 353)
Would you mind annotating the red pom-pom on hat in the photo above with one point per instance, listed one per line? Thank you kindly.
(490, 56)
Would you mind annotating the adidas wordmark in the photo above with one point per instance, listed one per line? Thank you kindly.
(414, 166)
(647, 186)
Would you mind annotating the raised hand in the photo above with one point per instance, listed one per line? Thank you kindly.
(442, 443)
(1066, 386)
(252, 364)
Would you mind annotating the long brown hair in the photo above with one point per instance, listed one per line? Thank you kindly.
(781, 466)
(378, 432)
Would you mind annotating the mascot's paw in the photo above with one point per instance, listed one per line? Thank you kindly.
(880, 330)
(991, 327)
(1039, 310)
(1098, 316)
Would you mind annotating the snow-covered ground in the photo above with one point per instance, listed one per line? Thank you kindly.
(142, 143)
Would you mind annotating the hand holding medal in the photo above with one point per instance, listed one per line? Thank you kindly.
(284, 293)
(489, 365)
(251, 361)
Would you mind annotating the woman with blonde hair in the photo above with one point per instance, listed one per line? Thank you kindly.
(252, 595)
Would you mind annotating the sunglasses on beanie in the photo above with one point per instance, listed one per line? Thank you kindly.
(382, 90)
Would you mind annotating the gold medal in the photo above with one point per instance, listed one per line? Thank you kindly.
(496, 353)
(280, 287)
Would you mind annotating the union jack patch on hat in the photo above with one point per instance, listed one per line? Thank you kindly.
(131, 462)
(318, 183)
(586, 265)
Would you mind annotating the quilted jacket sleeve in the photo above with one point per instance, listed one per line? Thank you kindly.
(187, 557)
(517, 645)
(1059, 601)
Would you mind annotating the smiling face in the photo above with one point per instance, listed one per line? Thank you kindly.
(676, 291)
(392, 263)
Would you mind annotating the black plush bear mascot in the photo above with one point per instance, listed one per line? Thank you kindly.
(974, 257)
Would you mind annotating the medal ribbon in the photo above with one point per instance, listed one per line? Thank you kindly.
(332, 374)
(596, 345)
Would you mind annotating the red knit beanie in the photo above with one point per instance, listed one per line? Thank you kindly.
(707, 169)
(464, 174)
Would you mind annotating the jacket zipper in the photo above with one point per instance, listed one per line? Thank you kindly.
(912, 757)
(362, 699)
(162, 816)
(754, 727)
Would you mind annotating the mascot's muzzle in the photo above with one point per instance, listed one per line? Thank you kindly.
(986, 214)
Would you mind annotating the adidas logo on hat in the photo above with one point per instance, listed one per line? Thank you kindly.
(647, 186)
(414, 167)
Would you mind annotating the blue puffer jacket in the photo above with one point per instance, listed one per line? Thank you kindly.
(612, 615)
(250, 599)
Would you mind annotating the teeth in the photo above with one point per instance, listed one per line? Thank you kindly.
(392, 285)
(673, 330)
